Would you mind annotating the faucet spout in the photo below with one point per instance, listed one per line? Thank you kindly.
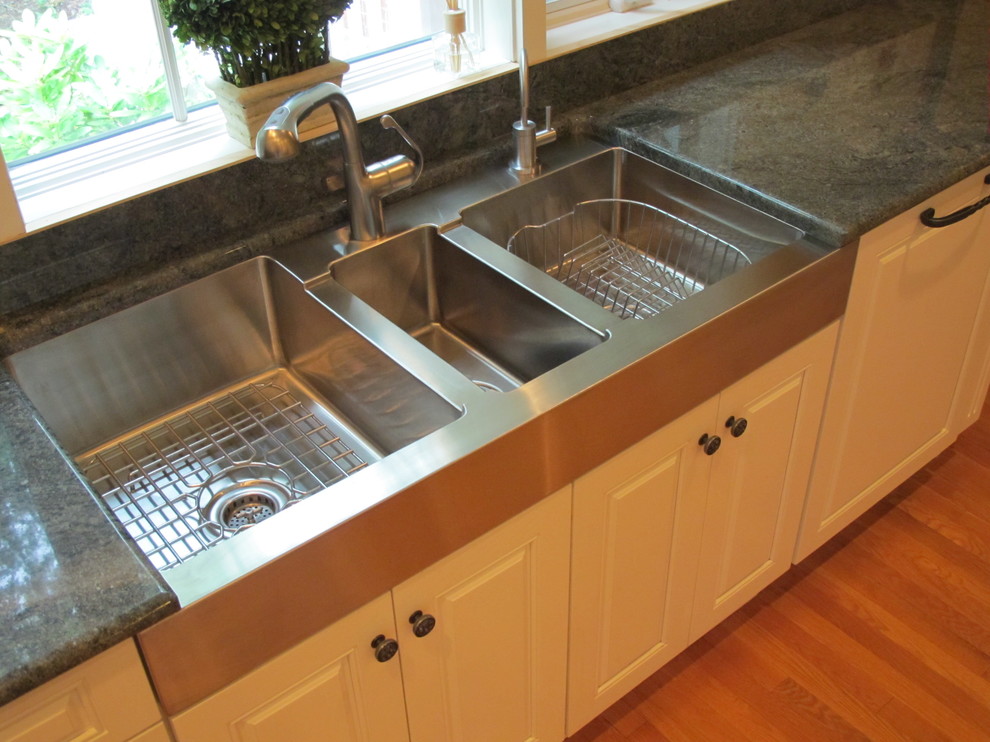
(278, 141)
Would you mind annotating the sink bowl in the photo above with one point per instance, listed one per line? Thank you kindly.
(493, 330)
(627, 233)
(210, 408)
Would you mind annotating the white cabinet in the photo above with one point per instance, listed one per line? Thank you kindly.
(974, 378)
(759, 478)
(329, 687)
(106, 698)
(637, 529)
(491, 669)
(667, 540)
(911, 363)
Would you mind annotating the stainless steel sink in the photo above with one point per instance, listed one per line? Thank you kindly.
(210, 408)
(497, 333)
(631, 235)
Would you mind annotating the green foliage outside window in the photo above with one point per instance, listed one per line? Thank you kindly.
(53, 91)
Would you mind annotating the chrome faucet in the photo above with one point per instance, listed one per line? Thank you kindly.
(278, 140)
(524, 134)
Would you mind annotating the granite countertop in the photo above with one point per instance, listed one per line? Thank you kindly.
(834, 128)
(70, 586)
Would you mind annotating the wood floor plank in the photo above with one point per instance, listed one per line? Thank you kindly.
(976, 442)
(781, 701)
(943, 516)
(855, 696)
(647, 733)
(853, 639)
(913, 591)
(725, 704)
(882, 635)
(944, 567)
(912, 725)
(598, 730)
(924, 641)
(683, 716)
(625, 716)
(890, 658)
(858, 571)
(961, 479)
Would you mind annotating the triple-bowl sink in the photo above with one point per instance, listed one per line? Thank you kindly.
(340, 374)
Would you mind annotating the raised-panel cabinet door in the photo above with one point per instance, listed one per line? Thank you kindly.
(329, 688)
(975, 377)
(107, 698)
(904, 340)
(492, 668)
(636, 531)
(759, 478)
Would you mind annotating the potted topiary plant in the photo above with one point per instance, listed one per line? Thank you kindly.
(266, 50)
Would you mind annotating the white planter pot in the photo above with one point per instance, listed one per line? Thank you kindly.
(247, 109)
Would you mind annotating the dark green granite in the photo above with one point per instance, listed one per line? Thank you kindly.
(70, 586)
(835, 128)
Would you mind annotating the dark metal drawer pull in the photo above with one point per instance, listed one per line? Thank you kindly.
(929, 219)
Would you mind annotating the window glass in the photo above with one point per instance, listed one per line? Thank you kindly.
(372, 26)
(73, 70)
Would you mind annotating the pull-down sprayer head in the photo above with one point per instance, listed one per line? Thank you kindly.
(278, 141)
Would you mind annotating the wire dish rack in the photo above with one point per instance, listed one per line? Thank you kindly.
(629, 257)
(205, 473)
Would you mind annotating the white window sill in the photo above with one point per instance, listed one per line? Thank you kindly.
(587, 32)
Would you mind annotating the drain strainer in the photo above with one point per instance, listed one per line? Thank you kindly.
(243, 496)
(247, 510)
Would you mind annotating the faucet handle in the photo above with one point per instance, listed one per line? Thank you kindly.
(548, 133)
(390, 123)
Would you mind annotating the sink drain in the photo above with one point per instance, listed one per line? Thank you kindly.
(243, 496)
(247, 510)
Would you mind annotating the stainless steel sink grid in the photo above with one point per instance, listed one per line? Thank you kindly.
(629, 257)
(181, 484)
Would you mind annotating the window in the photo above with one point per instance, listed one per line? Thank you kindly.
(164, 110)
(180, 134)
(77, 70)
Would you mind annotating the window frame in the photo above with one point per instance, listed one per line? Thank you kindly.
(11, 221)
(560, 12)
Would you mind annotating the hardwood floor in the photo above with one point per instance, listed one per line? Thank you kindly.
(883, 634)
